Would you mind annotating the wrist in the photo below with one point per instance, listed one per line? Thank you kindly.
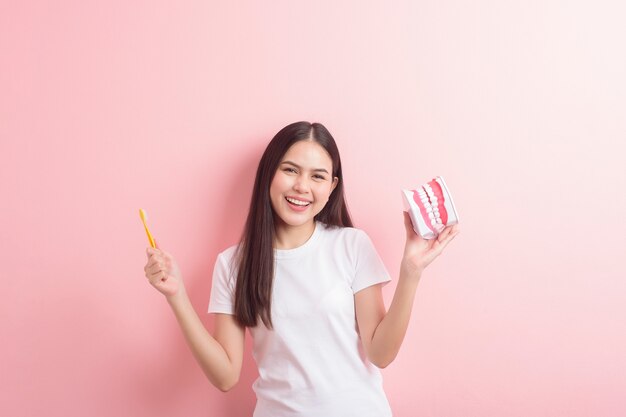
(177, 299)
(409, 270)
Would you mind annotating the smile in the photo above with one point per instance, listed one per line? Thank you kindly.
(296, 202)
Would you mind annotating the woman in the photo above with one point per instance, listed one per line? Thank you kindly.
(307, 284)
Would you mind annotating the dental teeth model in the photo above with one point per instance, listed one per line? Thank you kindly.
(430, 207)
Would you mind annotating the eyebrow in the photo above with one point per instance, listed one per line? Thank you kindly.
(298, 166)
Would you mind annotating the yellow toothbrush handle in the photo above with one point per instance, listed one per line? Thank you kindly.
(150, 238)
(142, 214)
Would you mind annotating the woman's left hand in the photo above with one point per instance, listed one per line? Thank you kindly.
(420, 252)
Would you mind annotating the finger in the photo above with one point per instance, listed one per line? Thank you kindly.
(156, 244)
(152, 262)
(157, 277)
(150, 251)
(444, 242)
(445, 232)
(153, 277)
(153, 258)
(454, 230)
(154, 268)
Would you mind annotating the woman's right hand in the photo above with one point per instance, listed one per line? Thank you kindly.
(163, 272)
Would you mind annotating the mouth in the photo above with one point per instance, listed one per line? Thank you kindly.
(430, 199)
(297, 204)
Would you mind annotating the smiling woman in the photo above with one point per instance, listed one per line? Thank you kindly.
(301, 162)
(307, 284)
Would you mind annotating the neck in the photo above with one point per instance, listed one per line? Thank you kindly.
(291, 237)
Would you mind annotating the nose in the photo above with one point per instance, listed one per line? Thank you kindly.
(301, 184)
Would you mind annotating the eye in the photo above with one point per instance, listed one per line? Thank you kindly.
(289, 170)
(321, 177)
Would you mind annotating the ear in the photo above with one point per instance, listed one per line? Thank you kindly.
(335, 182)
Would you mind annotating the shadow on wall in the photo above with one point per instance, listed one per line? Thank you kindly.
(163, 386)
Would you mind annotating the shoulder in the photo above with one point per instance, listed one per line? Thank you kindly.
(350, 236)
(228, 253)
(225, 258)
(344, 231)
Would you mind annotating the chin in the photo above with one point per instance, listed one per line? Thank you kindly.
(296, 222)
(292, 219)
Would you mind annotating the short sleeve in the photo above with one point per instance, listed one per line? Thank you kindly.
(369, 268)
(222, 299)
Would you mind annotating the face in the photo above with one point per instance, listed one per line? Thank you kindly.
(302, 184)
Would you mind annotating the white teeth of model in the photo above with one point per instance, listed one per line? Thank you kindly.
(439, 221)
(434, 211)
(432, 216)
(433, 222)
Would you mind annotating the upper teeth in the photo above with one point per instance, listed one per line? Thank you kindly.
(298, 202)
(432, 206)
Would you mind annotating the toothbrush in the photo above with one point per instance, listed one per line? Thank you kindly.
(143, 216)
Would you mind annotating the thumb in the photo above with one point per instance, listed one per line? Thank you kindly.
(408, 225)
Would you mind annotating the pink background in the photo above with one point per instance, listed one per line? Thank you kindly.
(108, 107)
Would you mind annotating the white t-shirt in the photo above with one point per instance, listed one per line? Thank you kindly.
(312, 363)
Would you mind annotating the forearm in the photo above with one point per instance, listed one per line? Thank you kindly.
(390, 332)
(207, 351)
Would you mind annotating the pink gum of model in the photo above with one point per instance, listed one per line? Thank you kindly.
(430, 207)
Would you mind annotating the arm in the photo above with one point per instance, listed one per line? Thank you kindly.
(220, 357)
(382, 332)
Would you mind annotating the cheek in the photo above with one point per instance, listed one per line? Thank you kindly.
(278, 185)
(323, 193)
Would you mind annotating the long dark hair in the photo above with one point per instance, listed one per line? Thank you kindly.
(254, 256)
